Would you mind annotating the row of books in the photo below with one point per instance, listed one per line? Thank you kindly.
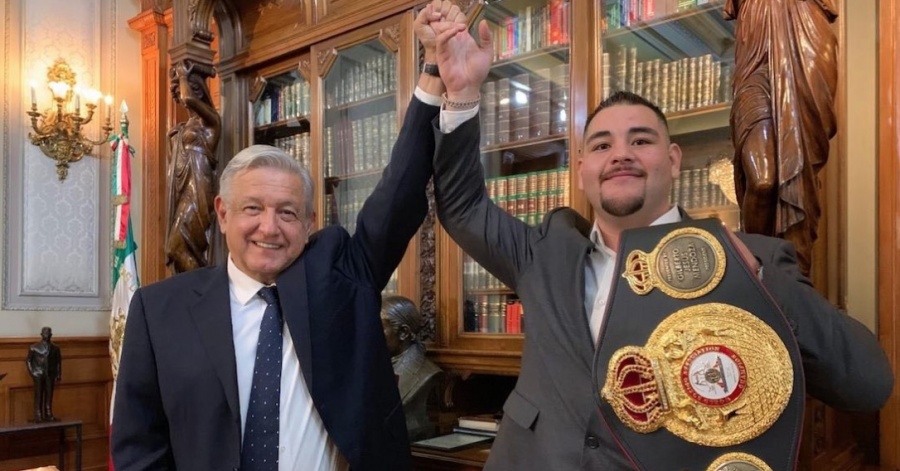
(692, 82)
(494, 314)
(525, 106)
(530, 183)
(298, 146)
(345, 200)
(476, 277)
(360, 145)
(625, 13)
(284, 102)
(376, 75)
(532, 29)
(692, 189)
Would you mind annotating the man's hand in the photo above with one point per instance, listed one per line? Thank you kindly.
(463, 63)
(437, 11)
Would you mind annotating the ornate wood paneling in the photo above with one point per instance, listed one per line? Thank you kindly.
(83, 394)
(889, 217)
(154, 72)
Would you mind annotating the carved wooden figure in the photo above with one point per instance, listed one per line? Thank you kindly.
(191, 168)
(783, 115)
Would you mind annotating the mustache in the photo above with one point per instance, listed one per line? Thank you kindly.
(619, 170)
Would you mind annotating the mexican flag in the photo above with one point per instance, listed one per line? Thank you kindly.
(124, 271)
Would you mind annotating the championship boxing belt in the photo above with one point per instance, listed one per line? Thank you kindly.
(697, 368)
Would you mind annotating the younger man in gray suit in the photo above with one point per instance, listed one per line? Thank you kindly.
(563, 268)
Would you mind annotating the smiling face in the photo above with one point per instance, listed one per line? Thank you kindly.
(628, 164)
(263, 221)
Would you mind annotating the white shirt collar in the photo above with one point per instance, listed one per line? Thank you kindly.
(242, 286)
(670, 216)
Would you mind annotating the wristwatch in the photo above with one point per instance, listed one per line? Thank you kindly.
(431, 69)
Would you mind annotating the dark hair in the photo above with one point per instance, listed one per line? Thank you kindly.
(622, 97)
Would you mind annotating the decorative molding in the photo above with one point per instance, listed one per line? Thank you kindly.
(305, 68)
(270, 5)
(257, 88)
(427, 270)
(325, 59)
(149, 40)
(390, 37)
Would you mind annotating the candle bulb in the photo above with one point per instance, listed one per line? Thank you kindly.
(108, 107)
(33, 95)
(77, 102)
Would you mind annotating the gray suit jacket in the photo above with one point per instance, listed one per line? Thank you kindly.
(551, 419)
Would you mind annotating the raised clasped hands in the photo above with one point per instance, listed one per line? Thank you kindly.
(438, 11)
(464, 64)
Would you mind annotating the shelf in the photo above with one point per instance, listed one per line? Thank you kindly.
(730, 215)
(531, 61)
(699, 119)
(708, 211)
(533, 148)
(350, 176)
(477, 291)
(359, 103)
(283, 128)
(690, 33)
(469, 361)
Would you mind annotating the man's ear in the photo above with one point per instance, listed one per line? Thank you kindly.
(312, 223)
(221, 211)
(675, 158)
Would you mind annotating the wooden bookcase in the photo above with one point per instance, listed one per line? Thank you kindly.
(321, 77)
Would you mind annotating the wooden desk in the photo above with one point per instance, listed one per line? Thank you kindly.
(467, 459)
(18, 430)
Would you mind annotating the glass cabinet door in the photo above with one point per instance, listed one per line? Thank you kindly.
(360, 127)
(679, 54)
(281, 115)
(524, 140)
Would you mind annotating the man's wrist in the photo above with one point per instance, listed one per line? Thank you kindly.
(464, 95)
(459, 104)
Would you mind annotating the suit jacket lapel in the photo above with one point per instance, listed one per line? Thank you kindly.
(292, 294)
(577, 245)
(212, 315)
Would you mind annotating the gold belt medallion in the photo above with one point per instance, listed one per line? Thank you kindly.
(712, 374)
(738, 462)
(686, 264)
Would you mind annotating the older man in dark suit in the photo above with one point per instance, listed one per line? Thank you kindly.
(277, 361)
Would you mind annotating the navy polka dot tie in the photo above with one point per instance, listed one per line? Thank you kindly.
(260, 448)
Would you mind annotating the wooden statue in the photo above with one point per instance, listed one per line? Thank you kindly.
(783, 115)
(191, 168)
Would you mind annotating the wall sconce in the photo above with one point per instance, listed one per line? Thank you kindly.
(59, 133)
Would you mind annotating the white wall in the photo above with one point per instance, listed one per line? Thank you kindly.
(61, 226)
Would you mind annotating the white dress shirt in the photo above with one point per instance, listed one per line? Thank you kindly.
(598, 273)
(304, 444)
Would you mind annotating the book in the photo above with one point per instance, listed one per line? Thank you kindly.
(485, 422)
(472, 431)
(452, 442)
